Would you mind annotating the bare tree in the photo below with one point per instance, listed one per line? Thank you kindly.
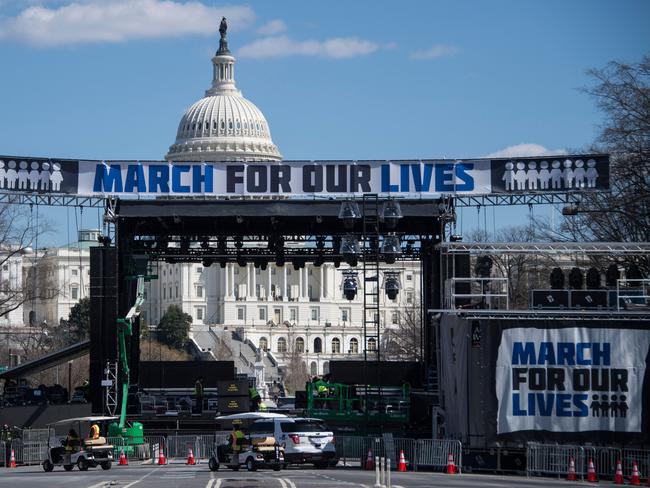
(296, 374)
(153, 350)
(403, 340)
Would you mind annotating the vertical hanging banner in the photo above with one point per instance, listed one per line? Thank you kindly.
(571, 379)
(411, 178)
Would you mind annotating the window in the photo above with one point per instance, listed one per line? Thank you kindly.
(199, 269)
(409, 277)
(241, 313)
(293, 314)
(394, 317)
(318, 345)
(313, 368)
(199, 313)
(354, 346)
(272, 271)
(345, 314)
(176, 291)
(164, 292)
(264, 344)
(409, 297)
(300, 344)
(199, 291)
(336, 346)
(74, 293)
(262, 313)
(314, 313)
(75, 272)
(282, 344)
(372, 344)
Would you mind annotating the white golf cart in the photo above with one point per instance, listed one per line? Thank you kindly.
(256, 451)
(69, 445)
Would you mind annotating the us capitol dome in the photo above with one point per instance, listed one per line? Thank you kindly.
(223, 125)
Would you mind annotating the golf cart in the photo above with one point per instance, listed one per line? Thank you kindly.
(76, 448)
(256, 451)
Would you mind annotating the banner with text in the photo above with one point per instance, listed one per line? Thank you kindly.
(424, 178)
(571, 379)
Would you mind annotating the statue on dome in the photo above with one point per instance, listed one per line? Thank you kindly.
(223, 27)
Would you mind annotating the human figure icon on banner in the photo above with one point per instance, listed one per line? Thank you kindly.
(45, 176)
(604, 405)
(568, 174)
(595, 406)
(544, 175)
(56, 177)
(556, 175)
(12, 175)
(622, 406)
(23, 175)
(579, 174)
(591, 174)
(532, 175)
(3, 173)
(508, 176)
(521, 176)
(34, 176)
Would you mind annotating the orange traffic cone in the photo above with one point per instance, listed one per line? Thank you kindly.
(161, 454)
(591, 472)
(370, 461)
(618, 477)
(12, 461)
(123, 461)
(402, 462)
(190, 458)
(571, 475)
(636, 477)
(451, 467)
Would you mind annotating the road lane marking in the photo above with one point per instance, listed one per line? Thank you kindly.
(282, 483)
(210, 483)
(139, 480)
(217, 483)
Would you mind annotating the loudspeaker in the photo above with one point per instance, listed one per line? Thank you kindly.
(550, 299)
(589, 299)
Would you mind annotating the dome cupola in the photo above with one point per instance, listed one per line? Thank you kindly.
(223, 125)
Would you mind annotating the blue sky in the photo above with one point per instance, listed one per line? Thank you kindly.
(110, 79)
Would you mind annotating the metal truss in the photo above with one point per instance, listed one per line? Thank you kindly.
(492, 200)
(612, 248)
(53, 200)
(546, 314)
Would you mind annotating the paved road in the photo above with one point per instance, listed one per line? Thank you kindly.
(181, 476)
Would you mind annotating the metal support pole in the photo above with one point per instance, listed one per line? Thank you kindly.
(377, 471)
(388, 482)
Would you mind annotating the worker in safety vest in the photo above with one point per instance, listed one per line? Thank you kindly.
(94, 432)
(236, 440)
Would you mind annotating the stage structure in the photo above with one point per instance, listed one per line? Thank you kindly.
(364, 213)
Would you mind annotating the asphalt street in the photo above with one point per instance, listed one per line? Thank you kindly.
(181, 476)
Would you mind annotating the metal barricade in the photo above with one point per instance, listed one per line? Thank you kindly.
(118, 445)
(3, 450)
(409, 448)
(36, 435)
(29, 452)
(640, 456)
(554, 459)
(435, 453)
(153, 445)
(605, 460)
(178, 446)
(350, 449)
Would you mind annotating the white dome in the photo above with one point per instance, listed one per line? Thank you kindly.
(223, 126)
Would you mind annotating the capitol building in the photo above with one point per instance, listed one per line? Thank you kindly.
(244, 313)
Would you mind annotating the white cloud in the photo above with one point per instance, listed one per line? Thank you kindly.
(117, 21)
(272, 28)
(437, 51)
(283, 46)
(523, 150)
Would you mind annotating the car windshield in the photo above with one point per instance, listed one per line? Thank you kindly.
(304, 426)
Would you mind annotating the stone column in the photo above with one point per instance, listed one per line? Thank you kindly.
(300, 293)
(269, 283)
(284, 284)
(226, 281)
(321, 286)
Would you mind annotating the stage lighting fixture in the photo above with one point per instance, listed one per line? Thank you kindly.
(391, 284)
(349, 213)
(483, 267)
(408, 250)
(576, 278)
(238, 243)
(350, 249)
(223, 262)
(320, 242)
(241, 261)
(207, 262)
(455, 238)
(612, 275)
(391, 248)
(390, 213)
(279, 260)
(350, 285)
(557, 279)
(222, 245)
(185, 244)
(337, 263)
(593, 279)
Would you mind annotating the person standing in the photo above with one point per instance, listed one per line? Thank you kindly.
(198, 393)
(94, 432)
(237, 440)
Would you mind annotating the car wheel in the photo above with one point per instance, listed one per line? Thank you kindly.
(277, 467)
(321, 465)
(82, 464)
(106, 465)
(47, 465)
(250, 464)
(235, 468)
(68, 467)
(213, 464)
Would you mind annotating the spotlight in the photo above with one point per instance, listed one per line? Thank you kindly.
(391, 284)
(349, 213)
(576, 278)
(390, 213)
(320, 242)
(557, 279)
(223, 262)
(279, 259)
(238, 243)
(350, 249)
(207, 262)
(350, 285)
(593, 279)
(337, 263)
(336, 244)
(222, 245)
(391, 248)
(241, 261)
(612, 275)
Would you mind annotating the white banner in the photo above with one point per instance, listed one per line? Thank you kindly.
(571, 379)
